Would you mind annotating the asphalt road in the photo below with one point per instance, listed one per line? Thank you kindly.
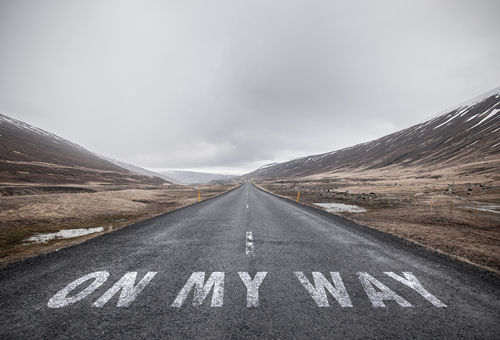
(247, 231)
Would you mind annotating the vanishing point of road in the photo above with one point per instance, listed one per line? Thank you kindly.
(247, 264)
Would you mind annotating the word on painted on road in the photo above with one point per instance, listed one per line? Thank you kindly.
(319, 289)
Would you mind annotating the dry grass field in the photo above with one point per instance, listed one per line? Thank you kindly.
(30, 210)
(455, 211)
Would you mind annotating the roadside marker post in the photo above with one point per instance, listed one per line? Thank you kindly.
(199, 196)
(298, 196)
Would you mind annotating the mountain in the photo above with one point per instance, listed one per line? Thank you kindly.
(192, 177)
(466, 133)
(31, 155)
(138, 169)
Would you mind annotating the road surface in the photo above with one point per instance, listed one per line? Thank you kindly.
(246, 264)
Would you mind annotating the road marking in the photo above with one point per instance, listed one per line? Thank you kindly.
(377, 296)
(129, 290)
(318, 291)
(252, 287)
(247, 205)
(411, 281)
(321, 288)
(249, 241)
(202, 289)
(61, 299)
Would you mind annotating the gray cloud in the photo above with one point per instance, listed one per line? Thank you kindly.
(236, 84)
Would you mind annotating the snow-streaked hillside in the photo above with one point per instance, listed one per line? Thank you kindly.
(137, 169)
(31, 155)
(469, 132)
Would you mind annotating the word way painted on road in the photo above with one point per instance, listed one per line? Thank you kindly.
(201, 285)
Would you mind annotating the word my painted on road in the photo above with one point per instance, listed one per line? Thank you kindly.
(322, 289)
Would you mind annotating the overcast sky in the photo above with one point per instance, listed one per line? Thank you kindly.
(232, 85)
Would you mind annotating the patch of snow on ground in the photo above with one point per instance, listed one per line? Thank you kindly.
(491, 114)
(472, 117)
(491, 208)
(447, 121)
(63, 234)
(340, 207)
(463, 110)
(24, 126)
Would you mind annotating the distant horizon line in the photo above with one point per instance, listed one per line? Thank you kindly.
(201, 170)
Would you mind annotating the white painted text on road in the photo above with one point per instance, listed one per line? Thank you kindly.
(320, 289)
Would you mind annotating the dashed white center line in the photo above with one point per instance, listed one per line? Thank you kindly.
(249, 240)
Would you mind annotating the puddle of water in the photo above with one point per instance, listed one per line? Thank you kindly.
(485, 207)
(63, 234)
(340, 207)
